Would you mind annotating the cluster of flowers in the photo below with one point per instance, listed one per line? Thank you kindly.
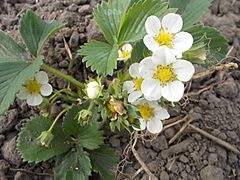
(159, 76)
(162, 74)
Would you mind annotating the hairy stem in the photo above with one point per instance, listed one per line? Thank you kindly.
(56, 119)
(64, 76)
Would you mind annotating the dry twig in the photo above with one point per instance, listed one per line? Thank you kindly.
(215, 68)
(215, 139)
(139, 159)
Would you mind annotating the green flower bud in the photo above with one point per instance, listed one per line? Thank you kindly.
(45, 138)
(93, 89)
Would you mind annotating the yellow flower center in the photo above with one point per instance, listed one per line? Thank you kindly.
(138, 83)
(164, 74)
(164, 38)
(146, 111)
(33, 86)
(125, 54)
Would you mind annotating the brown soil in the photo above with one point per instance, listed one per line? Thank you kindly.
(192, 156)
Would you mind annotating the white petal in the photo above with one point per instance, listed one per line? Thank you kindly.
(134, 70)
(153, 25)
(161, 113)
(140, 101)
(173, 91)
(129, 86)
(177, 53)
(184, 70)
(42, 77)
(151, 89)
(147, 68)
(127, 47)
(142, 125)
(150, 43)
(23, 93)
(163, 56)
(46, 89)
(34, 100)
(135, 95)
(182, 41)
(172, 22)
(154, 126)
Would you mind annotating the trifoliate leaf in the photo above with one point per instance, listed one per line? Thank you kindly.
(191, 10)
(29, 146)
(90, 137)
(100, 56)
(215, 44)
(132, 26)
(35, 32)
(108, 16)
(75, 165)
(104, 161)
(10, 51)
(13, 75)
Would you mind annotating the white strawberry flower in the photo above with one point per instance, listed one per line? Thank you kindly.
(166, 32)
(35, 88)
(125, 52)
(164, 75)
(152, 115)
(134, 87)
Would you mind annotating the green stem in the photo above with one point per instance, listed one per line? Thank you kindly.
(91, 105)
(62, 75)
(56, 119)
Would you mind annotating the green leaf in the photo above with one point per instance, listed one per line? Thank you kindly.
(13, 75)
(35, 32)
(104, 161)
(75, 165)
(139, 49)
(132, 26)
(215, 44)
(191, 10)
(100, 56)
(10, 50)
(29, 147)
(70, 122)
(108, 16)
(90, 136)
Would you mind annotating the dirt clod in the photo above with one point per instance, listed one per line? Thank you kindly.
(212, 173)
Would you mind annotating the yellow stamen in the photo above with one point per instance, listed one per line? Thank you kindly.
(125, 54)
(138, 83)
(146, 111)
(164, 38)
(164, 74)
(33, 87)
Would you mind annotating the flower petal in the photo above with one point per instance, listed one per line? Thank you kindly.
(46, 89)
(147, 68)
(172, 22)
(163, 56)
(23, 93)
(42, 77)
(134, 70)
(34, 100)
(150, 43)
(142, 125)
(173, 91)
(182, 41)
(154, 126)
(161, 113)
(153, 25)
(184, 70)
(129, 86)
(151, 89)
(135, 95)
(127, 47)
